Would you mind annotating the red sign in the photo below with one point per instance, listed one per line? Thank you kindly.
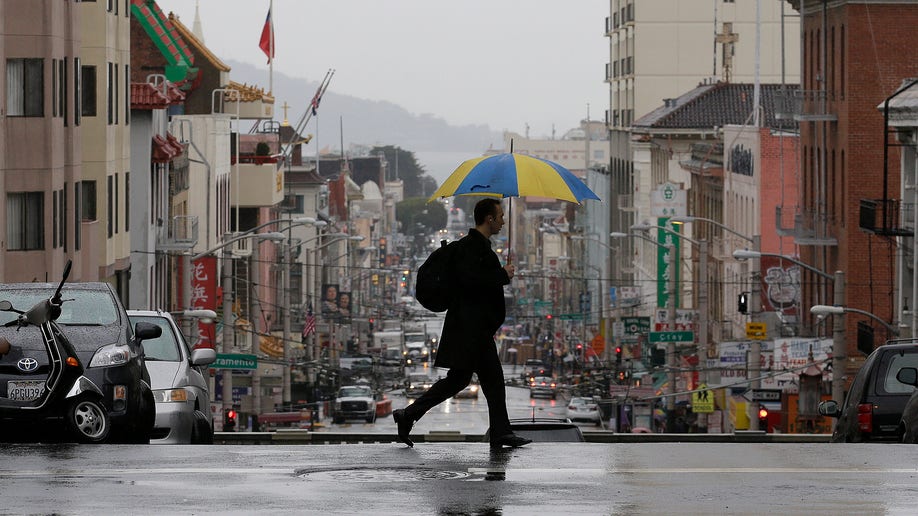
(204, 296)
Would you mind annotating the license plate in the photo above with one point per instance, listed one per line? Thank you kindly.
(25, 390)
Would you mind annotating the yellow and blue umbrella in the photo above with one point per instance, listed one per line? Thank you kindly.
(514, 175)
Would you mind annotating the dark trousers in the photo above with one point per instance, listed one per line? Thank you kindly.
(491, 379)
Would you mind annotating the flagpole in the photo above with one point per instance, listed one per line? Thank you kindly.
(271, 44)
(510, 216)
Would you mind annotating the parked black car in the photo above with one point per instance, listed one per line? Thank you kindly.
(908, 424)
(95, 323)
(873, 408)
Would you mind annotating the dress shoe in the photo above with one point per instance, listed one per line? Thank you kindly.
(512, 440)
(404, 426)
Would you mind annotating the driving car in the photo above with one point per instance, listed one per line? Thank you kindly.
(583, 409)
(180, 387)
(872, 410)
(416, 384)
(533, 367)
(107, 343)
(471, 390)
(543, 386)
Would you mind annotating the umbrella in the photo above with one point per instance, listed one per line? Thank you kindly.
(514, 175)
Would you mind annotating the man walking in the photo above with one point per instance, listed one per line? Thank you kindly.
(467, 344)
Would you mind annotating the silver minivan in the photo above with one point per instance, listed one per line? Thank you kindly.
(180, 387)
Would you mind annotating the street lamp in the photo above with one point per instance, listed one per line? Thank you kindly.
(228, 239)
(839, 346)
(671, 315)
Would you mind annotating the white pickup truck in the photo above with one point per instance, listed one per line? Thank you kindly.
(355, 402)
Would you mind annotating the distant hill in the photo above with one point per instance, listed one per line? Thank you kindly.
(367, 122)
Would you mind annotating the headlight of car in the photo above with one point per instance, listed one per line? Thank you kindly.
(111, 355)
(170, 395)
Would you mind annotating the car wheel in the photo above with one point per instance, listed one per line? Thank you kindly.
(87, 420)
(202, 432)
(337, 420)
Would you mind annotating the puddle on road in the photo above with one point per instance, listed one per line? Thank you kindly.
(378, 474)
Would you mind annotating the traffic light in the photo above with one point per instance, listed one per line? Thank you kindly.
(618, 354)
(404, 281)
(763, 418)
(372, 323)
(742, 303)
(548, 317)
(229, 420)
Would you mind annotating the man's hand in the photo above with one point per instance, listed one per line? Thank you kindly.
(511, 270)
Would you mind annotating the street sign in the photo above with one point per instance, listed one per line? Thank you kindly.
(756, 331)
(672, 336)
(571, 317)
(235, 361)
(635, 326)
(702, 400)
(766, 395)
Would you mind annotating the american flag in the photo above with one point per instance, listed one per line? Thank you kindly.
(309, 326)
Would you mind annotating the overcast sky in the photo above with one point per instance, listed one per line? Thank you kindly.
(504, 63)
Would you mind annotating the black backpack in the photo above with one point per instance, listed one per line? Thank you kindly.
(434, 288)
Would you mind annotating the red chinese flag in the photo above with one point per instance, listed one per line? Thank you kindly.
(266, 43)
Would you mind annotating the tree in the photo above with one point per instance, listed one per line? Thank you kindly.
(404, 166)
(416, 215)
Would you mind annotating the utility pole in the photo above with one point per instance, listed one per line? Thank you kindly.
(703, 307)
(755, 346)
(670, 344)
(228, 322)
(254, 316)
(839, 345)
(286, 309)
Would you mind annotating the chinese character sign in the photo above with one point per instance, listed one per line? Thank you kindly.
(204, 295)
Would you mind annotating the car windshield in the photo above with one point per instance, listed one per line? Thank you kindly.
(81, 307)
(355, 392)
(165, 347)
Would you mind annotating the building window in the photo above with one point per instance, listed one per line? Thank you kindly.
(109, 94)
(54, 214)
(127, 94)
(62, 67)
(127, 200)
(55, 95)
(88, 201)
(88, 90)
(77, 91)
(24, 224)
(110, 195)
(77, 215)
(25, 86)
(63, 218)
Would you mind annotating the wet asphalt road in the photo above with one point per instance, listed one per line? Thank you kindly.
(460, 478)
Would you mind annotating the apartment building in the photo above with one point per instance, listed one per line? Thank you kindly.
(43, 108)
(660, 49)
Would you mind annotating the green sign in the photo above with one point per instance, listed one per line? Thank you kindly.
(235, 361)
(635, 326)
(672, 336)
(571, 317)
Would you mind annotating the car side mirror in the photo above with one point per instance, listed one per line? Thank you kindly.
(908, 376)
(203, 356)
(828, 408)
(145, 330)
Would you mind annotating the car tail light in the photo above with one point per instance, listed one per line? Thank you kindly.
(865, 417)
(552, 385)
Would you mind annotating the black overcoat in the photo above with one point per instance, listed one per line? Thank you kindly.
(477, 310)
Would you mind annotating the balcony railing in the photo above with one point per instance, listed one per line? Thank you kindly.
(810, 227)
(803, 105)
(885, 217)
(178, 234)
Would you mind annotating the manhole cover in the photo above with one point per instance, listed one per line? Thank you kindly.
(378, 474)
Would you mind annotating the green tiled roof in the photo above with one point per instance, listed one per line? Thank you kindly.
(165, 37)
